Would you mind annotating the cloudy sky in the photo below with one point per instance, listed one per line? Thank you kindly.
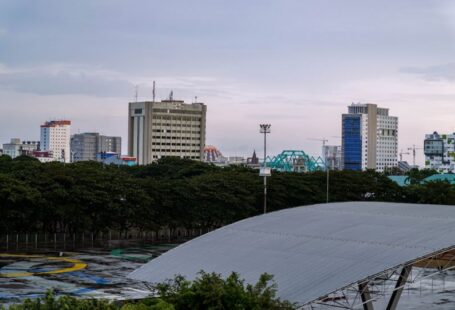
(293, 63)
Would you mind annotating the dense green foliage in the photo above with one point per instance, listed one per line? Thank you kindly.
(172, 193)
(208, 291)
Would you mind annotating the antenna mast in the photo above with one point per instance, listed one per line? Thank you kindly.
(171, 96)
(136, 92)
(153, 92)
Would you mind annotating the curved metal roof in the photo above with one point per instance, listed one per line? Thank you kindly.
(313, 250)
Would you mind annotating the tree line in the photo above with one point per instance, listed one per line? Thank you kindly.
(176, 193)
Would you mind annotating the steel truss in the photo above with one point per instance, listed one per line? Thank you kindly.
(295, 161)
(391, 282)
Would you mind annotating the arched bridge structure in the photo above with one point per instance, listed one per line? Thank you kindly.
(337, 254)
(295, 161)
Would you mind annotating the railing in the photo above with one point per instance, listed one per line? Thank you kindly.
(109, 239)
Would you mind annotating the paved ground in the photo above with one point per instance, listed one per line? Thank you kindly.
(100, 274)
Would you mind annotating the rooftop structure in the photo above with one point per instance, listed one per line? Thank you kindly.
(446, 177)
(402, 180)
(315, 251)
(212, 154)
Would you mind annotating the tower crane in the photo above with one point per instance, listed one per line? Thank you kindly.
(413, 149)
(403, 153)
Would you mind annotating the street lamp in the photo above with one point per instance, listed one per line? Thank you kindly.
(264, 171)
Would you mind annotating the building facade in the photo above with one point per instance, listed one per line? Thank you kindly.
(166, 128)
(86, 146)
(369, 138)
(439, 150)
(16, 147)
(55, 139)
(332, 156)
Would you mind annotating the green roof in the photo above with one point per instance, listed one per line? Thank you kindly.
(401, 180)
(441, 177)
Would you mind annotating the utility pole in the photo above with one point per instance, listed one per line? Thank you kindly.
(265, 172)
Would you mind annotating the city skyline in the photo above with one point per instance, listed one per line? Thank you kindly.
(292, 64)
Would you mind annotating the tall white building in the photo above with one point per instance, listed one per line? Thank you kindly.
(439, 152)
(369, 138)
(55, 138)
(166, 128)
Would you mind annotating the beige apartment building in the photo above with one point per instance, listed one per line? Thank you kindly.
(166, 128)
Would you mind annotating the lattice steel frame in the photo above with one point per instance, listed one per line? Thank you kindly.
(295, 161)
(363, 294)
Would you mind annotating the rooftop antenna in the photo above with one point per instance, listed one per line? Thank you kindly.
(153, 91)
(136, 92)
(195, 99)
(171, 96)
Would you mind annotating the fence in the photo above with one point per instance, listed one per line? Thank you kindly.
(109, 239)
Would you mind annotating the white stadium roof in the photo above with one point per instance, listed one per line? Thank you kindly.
(313, 250)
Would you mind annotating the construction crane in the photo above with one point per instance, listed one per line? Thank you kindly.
(323, 140)
(413, 149)
(403, 153)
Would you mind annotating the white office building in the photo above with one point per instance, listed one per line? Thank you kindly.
(55, 139)
(16, 147)
(369, 138)
(166, 128)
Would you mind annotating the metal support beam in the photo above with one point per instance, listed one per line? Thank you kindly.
(367, 302)
(401, 282)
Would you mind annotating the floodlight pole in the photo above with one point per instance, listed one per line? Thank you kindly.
(265, 129)
(328, 170)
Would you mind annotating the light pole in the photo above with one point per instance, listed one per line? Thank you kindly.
(265, 129)
(328, 170)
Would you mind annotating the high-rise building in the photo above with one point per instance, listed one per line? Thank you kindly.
(369, 138)
(55, 138)
(86, 146)
(166, 128)
(16, 147)
(439, 152)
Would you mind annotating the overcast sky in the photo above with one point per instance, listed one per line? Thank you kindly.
(295, 64)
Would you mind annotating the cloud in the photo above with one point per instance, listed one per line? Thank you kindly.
(433, 73)
(64, 80)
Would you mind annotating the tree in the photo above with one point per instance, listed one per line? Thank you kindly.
(211, 291)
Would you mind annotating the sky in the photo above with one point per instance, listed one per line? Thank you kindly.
(296, 64)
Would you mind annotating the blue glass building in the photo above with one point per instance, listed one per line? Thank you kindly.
(352, 141)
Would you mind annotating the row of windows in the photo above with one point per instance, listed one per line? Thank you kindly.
(189, 157)
(176, 111)
(177, 118)
(177, 131)
(176, 151)
(194, 125)
(176, 144)
(176, 138)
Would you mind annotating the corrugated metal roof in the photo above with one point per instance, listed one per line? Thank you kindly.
(313, 250)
